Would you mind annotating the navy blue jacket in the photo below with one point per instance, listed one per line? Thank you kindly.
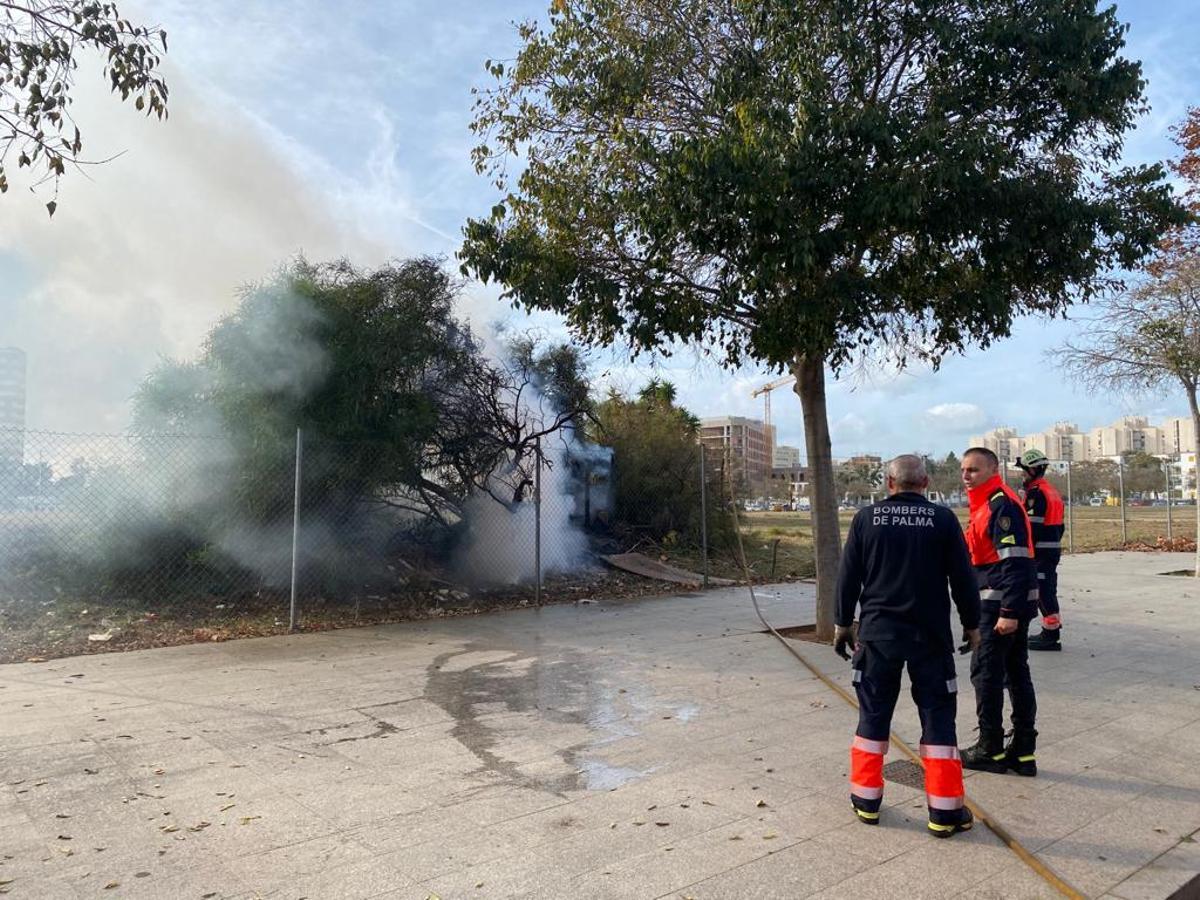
(900, 555)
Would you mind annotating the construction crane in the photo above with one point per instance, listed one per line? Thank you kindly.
(765, 390)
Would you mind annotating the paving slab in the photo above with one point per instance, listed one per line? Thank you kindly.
(651, 748)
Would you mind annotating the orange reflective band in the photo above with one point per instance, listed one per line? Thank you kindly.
(943, 777)
(866, 769)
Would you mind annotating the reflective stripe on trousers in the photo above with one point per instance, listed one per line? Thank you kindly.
(866, 772)
(943, 779)
(1014, 553)
(993, 594)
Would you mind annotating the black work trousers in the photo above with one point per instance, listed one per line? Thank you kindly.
(1002, 660)
(1047, 572)
(878, 666)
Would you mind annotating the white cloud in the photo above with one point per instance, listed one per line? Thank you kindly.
(955, 416)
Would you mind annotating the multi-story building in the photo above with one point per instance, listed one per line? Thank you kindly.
(789, 482)
(786, 457)
(1179, 435)
(1063, 441)
(12, 405)
(1004, 442)
(748, 445)
(1130, 434)
(1188, 487)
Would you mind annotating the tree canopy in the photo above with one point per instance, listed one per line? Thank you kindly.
(798, 184)
(41, 43)
(773, 177)
(394, 394)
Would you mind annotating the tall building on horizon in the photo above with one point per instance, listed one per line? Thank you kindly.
(12, 405)
(748, 444)
(1064, 441)
(785, 457)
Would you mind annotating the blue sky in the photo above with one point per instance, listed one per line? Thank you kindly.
(341, 129)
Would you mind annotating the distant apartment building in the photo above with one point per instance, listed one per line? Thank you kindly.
(1179, 435)
(1004, 442)
(1131, 434)
(786, 457)
(12, 405)
(789, 482)
(747, 444)
(865, 461)
(1064, 440)
(1188, 487)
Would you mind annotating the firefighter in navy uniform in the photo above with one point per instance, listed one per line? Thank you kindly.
(1001, 545)
(1045, 507)
(899, 555)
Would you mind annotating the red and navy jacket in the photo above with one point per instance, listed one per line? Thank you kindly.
(1044, 505)
(1000, 539)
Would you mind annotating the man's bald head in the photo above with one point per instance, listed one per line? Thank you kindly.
(907, 473)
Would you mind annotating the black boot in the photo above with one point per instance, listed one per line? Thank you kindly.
(987, 754)
(1019, 755)
(945, 831)
(1047, 640)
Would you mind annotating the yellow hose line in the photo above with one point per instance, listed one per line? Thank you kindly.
(1050, 876)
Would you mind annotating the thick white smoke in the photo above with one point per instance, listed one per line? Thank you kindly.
(501, 544)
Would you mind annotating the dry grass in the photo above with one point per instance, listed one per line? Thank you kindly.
(1095, 527)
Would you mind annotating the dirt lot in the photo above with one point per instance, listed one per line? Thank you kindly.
(1095, 527)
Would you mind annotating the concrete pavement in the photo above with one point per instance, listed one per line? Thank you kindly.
(652, 748)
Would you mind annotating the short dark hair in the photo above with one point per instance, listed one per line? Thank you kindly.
(985, 453)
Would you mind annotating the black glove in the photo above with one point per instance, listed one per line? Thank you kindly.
(845, 636)
(972, 638)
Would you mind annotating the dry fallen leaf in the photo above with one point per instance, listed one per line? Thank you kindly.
(246, 820)
(770, 836)
(111, 885)
(229, 806)
(761, 803)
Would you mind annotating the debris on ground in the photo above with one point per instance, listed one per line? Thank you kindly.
(1162, 545)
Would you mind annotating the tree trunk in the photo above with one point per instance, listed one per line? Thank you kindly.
(827, 538)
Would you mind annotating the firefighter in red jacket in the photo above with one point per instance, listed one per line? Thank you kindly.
(1001, 545)
(1045, 508)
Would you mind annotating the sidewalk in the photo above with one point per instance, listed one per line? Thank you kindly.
(653, 748)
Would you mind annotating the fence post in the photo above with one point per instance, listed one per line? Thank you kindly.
(1167, 479)
(537, 523)
(1070, 513)
(703, 516)
(1005, 470)
(296, 526)
(1121, 486)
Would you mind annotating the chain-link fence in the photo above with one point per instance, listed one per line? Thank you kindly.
(292, 530)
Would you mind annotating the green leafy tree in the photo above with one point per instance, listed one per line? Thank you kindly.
(945, 475)
(801, 183)
(41, 43)
(394, 395)
(656, 467)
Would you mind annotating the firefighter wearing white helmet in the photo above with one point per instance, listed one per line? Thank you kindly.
(1045, 508)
